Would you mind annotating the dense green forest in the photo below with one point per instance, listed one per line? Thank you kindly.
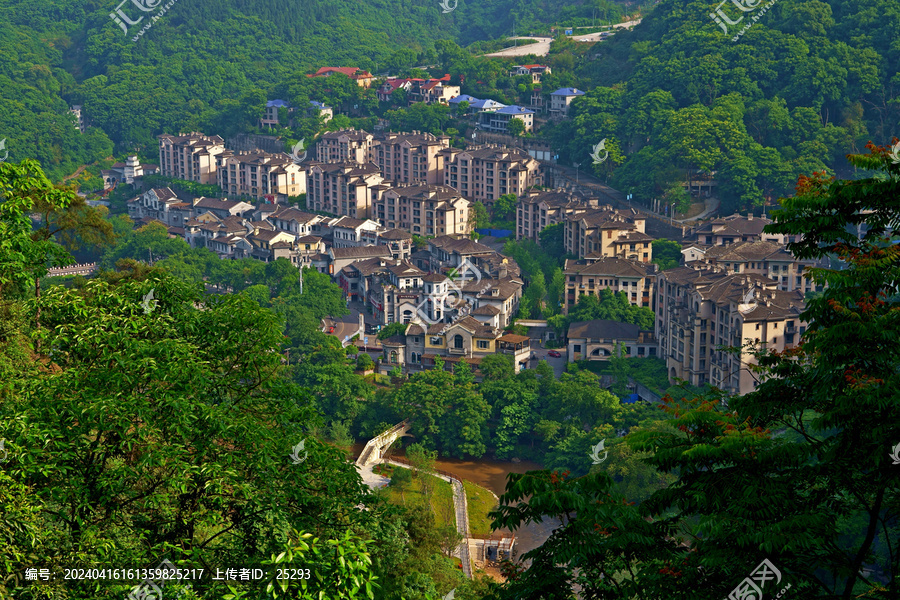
(808, 82)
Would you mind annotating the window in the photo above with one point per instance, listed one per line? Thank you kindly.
(458, 341)
(483, 345)
(436, 341)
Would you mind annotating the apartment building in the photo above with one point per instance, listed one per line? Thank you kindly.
(426, 210)
(429, 91)
(410, 157)
(736, 228)
(561, 99)
(484, 173)
(344, 188)
(700, 312)
(345, 145)
(537, 210)
(347, 232)
(258, 174)
(589, 277)
(190, 156)
(398, 240)
(497, 121)
(605, 231)
(770, 259)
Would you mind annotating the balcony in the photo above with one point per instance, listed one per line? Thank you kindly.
(458, 351)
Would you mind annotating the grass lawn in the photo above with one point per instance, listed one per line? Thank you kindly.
(479, 501)
(441, 495)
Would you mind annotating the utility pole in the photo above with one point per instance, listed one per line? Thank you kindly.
(576, 172)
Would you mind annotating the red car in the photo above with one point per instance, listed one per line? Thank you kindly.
(331, 329)
(554, 354)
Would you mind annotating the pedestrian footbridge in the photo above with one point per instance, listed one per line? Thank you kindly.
(376, 447)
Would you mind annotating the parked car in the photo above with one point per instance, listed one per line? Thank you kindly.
(331, 329)
(554, 354)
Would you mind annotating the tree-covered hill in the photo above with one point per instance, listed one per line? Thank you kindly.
(808, 81)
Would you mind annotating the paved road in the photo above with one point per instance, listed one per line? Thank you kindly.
(542, 47)
(558, 364)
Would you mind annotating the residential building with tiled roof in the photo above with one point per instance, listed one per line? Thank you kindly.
(498, 120)
(410, 157)
(345, 145)
(258, 174)
(700, 312)
(536, 71)
(561, 99)
(361, 77)
(759, 257)
(601, 339)
(588, 277)
(190, 156)
(604, 232)
(426, 210)
(484, 173)
(735, 228)
(538, 209)
(344, 188)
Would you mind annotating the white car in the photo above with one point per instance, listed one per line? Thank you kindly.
(584, 40)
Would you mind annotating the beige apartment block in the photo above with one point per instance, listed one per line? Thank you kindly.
(537, 210)
(411, 157)
(635, 279)
(702, 312)
(606, 232)
(484, 173)
(426, 210)
(190, 156)
(259, 174)
(344, 189)
(345, 145)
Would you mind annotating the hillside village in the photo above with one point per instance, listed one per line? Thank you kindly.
(369, 196)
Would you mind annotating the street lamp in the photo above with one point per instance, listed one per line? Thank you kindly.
(576, 171)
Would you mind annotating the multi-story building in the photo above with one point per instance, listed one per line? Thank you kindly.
(398, 240)
(361, 77)
(536, 71)
(497, 121)
(344, 188)
(190, 156)
(347, 232)
(588, 277)
(270, 116)
(319, 109)
(410, 157)
(484, 173)
(76, 110)
(258, 174)
(537, 210)
(770, 259)
(429, 91)
(736, 228)
(702, 312)
(427, 210)
(605, 231)
(345, 145)
(561, 99)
